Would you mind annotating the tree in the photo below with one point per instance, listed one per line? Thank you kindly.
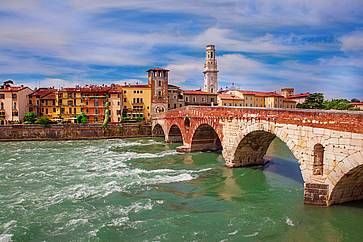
(339, 104)
(355, 100)
(81, 119)
(30, 118)
(43, 120)
(313, 101)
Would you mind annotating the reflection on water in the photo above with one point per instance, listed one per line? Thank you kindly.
(143, 190)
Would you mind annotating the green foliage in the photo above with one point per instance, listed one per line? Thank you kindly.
(313, 101)
(355, 100)
(30, 118)
(338, 104)
(44, 121)
(81, 119)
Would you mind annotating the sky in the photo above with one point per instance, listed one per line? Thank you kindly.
(262, 45)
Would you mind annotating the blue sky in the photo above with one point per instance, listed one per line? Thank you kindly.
(311, 45)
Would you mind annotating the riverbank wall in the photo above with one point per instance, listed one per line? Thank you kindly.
(72, 132)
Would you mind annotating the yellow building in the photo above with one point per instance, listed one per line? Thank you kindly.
(68, 104)
(263, 99)
(230, 100)
(136, 101)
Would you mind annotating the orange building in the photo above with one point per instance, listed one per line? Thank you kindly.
(43, 102)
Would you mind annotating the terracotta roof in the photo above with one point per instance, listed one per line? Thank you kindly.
(260, 94)
(136, 85)
(300, 95)
(43, 91)
(173, 86)
(356, 103)
(229, 97)
(157, 69)
(197, 92)
(12, 88)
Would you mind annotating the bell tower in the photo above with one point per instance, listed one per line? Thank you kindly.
(210, 70)
(158, 80)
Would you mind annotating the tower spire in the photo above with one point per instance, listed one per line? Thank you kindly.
(210, 70)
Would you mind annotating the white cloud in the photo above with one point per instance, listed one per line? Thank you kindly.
(352, 42)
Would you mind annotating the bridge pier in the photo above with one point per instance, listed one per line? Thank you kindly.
(316, 194)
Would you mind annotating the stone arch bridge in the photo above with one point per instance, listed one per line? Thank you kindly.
(327, 144)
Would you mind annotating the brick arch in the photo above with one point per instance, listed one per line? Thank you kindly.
(346, 180)
(209, 136)
(174, 137)
(156, 124)
(271, 132)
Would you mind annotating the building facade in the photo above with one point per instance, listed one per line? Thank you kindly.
(230, 100)
(136, 101)
(199, 98)
(261, 99)
(43, 102)
(175, 97)
(210, 71)
(13, 102)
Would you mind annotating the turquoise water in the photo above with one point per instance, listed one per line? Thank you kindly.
(142, 190)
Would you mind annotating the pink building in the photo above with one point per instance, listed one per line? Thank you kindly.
(13, 102)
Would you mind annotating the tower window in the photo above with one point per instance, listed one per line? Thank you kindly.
(159, 83)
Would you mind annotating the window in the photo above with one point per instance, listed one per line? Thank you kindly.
(2, 96)
(203, 99)
(54, 110)
(134, 91)
(318, 159)
(14, 105)
(75, 110)
(46, 111)
(2, 106)
(124, 91)
(194, 99)
(159, 83)
(159, 93)
(186, 99)
(212, 100)
(13, 96)
(141, 91)
(118, 103)
(69, 110)
(174, 105)
(125, 100)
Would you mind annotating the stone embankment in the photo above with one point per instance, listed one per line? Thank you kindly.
(72, 132)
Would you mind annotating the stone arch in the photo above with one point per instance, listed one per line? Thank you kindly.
(346, 180)
(158, 131)
(175, 135)
(205, 138)
(252, 148)
(265, 134)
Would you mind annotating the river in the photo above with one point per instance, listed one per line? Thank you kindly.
(143, 190)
